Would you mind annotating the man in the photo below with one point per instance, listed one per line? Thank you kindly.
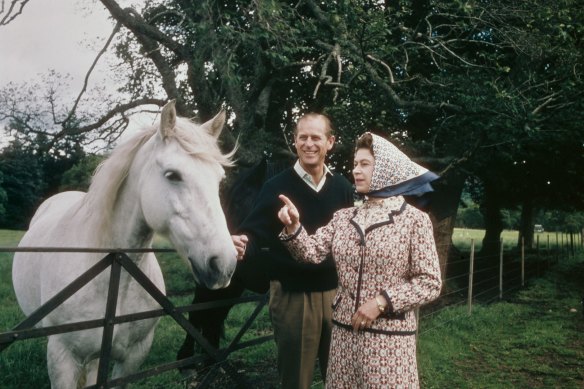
(301, 295)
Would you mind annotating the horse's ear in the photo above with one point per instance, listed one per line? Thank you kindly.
(215, 125)
(168, 119)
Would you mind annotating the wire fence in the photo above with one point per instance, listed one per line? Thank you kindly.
(484, 279)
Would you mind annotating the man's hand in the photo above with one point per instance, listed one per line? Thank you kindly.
(289, 215)
(240, 243)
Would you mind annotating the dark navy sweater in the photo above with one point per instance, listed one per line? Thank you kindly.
(316, 209)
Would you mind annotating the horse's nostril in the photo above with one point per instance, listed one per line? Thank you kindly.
(214, 263)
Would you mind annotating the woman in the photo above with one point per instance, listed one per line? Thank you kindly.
(387, 264)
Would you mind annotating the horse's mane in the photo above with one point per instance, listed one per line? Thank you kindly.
(109, 177)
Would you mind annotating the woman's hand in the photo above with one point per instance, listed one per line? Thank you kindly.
(365, 315)
(289, 215)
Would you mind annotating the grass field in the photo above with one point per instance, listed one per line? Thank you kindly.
(529, 340)
(462, 238)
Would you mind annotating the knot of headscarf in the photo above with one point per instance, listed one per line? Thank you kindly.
(394, 173)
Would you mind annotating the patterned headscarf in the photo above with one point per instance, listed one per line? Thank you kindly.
(396, 174)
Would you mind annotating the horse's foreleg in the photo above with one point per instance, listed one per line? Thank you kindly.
(91, 372)
(188, 347)
(64, 369)
(209, 321)
(135, 354)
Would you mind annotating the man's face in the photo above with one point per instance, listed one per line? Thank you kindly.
(312, 143)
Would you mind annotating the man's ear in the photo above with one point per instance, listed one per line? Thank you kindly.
(330, 142)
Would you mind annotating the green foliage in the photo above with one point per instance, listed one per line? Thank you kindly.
(565, 221)
(489, 90)
(470, 217)
(32, 172)
(23, 184)
(78, 177)
(3, 197)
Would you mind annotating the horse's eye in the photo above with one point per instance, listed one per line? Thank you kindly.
(172, 176)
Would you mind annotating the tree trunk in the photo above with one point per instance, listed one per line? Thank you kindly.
(491, 210)
(443, 211)
(527, 222)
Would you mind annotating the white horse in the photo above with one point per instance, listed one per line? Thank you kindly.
(164, 180)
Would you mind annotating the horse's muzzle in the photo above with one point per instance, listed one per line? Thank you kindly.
(216, 273)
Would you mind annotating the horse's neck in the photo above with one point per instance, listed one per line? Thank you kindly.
(128, 227)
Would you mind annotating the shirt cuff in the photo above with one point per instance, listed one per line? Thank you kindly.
(387, 295)
(286, 237)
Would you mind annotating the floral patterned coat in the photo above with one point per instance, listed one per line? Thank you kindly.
(386, 247)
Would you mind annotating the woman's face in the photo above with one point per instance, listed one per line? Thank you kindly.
(363, 170)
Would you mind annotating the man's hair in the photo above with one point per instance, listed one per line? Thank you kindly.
(330, 125)
(365, 141)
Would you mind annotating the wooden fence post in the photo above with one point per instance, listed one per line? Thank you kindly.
(417, 313)
(557, 248)
(522, 261)
(501, 269)
(470, 275)
(537, 257)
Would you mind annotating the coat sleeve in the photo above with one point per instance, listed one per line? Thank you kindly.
(262, 224)
(311, 248)
(423, 281)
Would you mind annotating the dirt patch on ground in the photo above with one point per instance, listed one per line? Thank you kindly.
(236, 374)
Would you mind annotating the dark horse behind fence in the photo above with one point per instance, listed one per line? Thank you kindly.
(238, 202)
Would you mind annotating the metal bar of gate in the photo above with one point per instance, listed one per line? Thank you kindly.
(213, 372)
(247, 324)
(81, 250)
(108, 327)
(167, 305)
(31, 333)
(117, 258)
(60, 297)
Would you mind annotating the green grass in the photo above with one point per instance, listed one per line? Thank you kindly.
(532, 340)
(461, 237)
(529, 340)
(23, 362)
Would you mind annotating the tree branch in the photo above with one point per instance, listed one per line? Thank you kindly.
(11, 14)
(120, 109)
(135, 23)
(86, 80)
(356, 55)
(149, 37)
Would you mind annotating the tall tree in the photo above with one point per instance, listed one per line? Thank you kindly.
(23, 184)
(467, 88)
(3, 197)
(440, 78)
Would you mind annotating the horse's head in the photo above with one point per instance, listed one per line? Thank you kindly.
(179, 194)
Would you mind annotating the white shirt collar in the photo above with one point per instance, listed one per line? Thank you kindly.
(308, 178)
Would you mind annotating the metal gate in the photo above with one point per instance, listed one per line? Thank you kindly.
(116, 259)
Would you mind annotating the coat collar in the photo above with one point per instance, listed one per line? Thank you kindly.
(383, 213)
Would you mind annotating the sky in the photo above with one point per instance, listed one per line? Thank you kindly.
(53, 34)
(60, 35)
